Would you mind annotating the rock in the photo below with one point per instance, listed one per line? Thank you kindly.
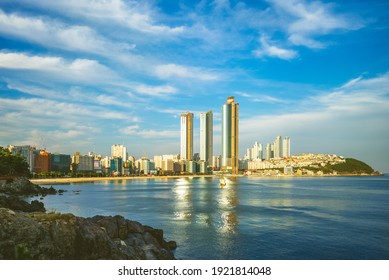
(23, 186)
(58, 236)
(15, 203)
(172, 245)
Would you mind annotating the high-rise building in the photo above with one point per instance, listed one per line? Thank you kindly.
(254, 153)
(278, 147)
(41, 162)
(27, 152)
(116, 166)
(119, 151)
(268, 152)
(60, 163)
(186, 136)
(206, 137)
(82, 163)
(286, 147)
(230, 135)
(257, 151)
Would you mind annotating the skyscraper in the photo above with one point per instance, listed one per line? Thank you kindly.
(206, 137)
(286, 147)
(230, 137)
(119, 151)
(186, 136)
(278, 147)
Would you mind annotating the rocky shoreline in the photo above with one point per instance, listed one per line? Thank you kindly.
(28, 232)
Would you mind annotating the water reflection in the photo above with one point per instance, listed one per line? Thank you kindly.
(183, 202)
(249, 218)
(228, 200)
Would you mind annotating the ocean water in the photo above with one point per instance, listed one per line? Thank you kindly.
(251, 218)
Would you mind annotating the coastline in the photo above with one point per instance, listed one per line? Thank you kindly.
(48, 181)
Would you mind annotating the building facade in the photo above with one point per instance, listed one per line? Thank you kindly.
(118, 150)
(116, 166)
(230, 135)
(27, 152)
(41, 162)
(206, 137)
(60, 163)
(186, 136)
(286, 147)
(278, 147)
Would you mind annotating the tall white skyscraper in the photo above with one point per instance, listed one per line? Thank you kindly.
(286, 147)
(206, 137)
(278, 147)
(187, 136)
(230, 135)
(118, 150)
(255, 153)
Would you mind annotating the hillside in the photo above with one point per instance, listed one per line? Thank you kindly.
(349, 166)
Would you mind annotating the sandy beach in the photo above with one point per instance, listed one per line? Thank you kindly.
(48, 181)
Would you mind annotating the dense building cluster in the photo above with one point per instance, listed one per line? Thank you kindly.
(187, 162)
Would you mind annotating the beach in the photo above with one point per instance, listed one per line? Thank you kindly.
(47, 181)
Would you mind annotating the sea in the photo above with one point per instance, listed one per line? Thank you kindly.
(251, 218)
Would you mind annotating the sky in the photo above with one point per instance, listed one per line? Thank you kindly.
(81, 75)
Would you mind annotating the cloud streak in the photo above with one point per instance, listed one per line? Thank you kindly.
(133, 15)
(135, 130)
(167, 71)
(74, 70)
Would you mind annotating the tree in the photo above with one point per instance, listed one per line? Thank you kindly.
(12, 165)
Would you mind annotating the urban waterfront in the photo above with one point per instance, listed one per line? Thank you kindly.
(250, 218)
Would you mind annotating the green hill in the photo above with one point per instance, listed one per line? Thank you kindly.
(352, 166)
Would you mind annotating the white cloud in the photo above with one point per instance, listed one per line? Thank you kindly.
(136, 131)
(304, 21)
(130, 14)
(78, 69)
(261, 98)
(166, 71)
(105, 99)
(156, 90)
(50, 111)
(47, 32)
(344, 121)
(268, 49)
(35, 91)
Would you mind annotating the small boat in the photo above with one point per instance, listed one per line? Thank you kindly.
(222, 182)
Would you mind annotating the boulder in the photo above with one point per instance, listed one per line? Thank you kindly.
(23, 186)
(15, 203)
(57, 236)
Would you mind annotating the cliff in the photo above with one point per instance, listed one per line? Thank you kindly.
(27, 234)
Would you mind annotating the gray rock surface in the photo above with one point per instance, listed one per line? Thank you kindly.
(58, 236)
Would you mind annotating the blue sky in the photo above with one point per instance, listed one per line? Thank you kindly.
(83, 75)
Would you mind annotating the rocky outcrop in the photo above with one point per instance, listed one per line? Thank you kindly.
(23, 186)
(65, 236)
(15, 203)
(27, 232)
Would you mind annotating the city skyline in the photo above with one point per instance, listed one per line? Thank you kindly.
(89, 76)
